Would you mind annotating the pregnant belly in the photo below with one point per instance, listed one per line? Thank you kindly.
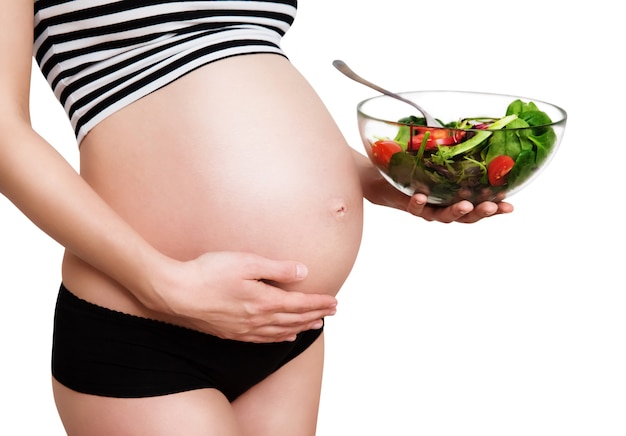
(276, 178)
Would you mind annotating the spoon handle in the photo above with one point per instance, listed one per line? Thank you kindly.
(343, 67)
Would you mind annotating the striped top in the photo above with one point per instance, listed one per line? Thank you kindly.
(101, 55)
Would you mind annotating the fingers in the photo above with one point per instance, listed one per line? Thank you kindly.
(302, 303)
(485, 210)
(284, 327)
(270, 334)
(275, 314)
(282, 316)
(270, 273)
(418, 206)
(463, 211)
(294, 309)
(281, 271)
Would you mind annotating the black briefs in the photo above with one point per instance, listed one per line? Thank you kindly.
(108, 353)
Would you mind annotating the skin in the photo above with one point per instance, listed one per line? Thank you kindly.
(248, 238)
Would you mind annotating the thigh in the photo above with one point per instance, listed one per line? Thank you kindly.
(198, 412)
(287, 402)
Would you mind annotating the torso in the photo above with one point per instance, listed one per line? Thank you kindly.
(238, 155)
(198, 141)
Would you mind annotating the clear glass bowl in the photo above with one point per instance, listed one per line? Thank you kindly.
(491, 145)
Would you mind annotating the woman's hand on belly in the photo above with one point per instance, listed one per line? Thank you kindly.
(227, 294)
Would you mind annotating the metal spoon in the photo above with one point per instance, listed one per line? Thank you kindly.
(341, 66)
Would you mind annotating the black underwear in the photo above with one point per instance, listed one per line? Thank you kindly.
(108, 353)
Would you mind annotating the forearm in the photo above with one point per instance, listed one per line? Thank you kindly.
(45, 187)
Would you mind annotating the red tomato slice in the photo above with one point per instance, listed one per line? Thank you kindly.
(498, 168)
(383, 149)
(437, 137)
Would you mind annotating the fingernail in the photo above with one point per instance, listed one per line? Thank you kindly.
(317, 325)
(301, 271)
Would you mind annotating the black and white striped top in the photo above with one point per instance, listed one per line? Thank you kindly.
(101, 55)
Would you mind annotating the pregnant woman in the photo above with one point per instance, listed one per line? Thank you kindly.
(217, 212)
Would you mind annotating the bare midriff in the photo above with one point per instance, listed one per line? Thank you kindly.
(240, 155)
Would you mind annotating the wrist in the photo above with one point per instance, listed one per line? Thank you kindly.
(153, 282)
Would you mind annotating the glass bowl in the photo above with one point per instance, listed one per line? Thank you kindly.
(491, 145)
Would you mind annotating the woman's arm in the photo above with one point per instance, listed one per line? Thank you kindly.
(47, 189)
(378, 191)
(43, 185)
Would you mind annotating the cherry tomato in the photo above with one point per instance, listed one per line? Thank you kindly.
(383, 149)
(437, 137)
(498, 168)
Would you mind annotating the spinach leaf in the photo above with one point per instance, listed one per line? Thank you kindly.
(524, 166)
(541, 139)
(535, 118)
(510, 141)
(518, 107)
(544, 143)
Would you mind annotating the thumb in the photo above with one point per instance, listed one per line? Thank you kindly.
(280, 271)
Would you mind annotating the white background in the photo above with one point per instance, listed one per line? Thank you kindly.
(512, 326)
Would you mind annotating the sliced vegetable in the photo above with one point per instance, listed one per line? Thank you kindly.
(437, 137)
(499, 168)
(477, 139)
(383, 149)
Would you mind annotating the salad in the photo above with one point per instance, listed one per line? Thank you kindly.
(467, 155)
